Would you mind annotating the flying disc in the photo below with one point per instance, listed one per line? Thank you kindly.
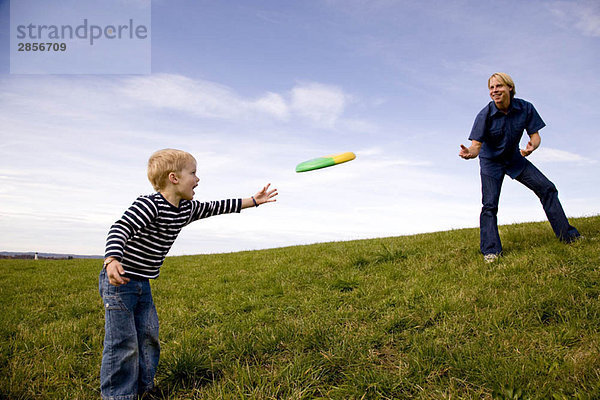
(326, 161)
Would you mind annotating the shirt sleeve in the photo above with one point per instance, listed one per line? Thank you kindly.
(211, 208)
(534, 121)
(478, 130)
(141, 213)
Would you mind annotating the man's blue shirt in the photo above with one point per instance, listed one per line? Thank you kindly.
(500, 135)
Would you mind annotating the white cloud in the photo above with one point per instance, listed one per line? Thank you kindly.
(546, 154)
(176, 92)
(316, 103)
(581, 15)
(273, 104)
(320, 103)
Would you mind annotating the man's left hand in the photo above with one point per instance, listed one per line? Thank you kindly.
(528, 149)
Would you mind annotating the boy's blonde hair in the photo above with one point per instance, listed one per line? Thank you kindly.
(165, 161)
(505, 79)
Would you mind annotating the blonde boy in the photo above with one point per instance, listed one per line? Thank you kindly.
(136, 247)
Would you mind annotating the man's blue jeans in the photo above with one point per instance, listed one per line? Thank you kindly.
(131, 346)
(533, 179)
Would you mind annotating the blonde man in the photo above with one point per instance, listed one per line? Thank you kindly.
(136, 247)
(495, 138)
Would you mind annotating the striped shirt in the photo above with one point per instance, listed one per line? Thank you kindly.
(142, 237)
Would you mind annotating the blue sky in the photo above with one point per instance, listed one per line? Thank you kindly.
(251, 88)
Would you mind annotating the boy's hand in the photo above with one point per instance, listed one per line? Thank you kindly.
(114, 271)
(265, 196)
(262, 197)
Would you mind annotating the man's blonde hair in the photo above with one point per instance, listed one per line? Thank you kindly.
(505, 79)
(165, 161)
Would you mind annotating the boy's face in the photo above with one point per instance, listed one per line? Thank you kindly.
(187, 181)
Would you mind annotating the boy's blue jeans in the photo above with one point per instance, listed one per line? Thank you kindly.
(545, 190)
(131, 346)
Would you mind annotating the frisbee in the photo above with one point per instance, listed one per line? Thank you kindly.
(326, 161)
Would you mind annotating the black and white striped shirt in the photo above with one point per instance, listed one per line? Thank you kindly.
(142, 237)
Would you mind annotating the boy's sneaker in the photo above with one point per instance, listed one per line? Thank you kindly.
(490, 258)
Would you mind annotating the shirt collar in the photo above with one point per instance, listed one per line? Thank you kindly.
(514, 105)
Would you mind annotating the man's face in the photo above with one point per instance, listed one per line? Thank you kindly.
(500, 93)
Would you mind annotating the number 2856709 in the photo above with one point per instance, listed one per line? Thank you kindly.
(42, 46)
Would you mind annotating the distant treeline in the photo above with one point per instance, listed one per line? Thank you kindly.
(32, 257)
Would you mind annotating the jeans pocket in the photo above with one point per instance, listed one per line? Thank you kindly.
(113, 302)
(102, 281)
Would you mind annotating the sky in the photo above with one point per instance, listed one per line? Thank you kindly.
(251, 88)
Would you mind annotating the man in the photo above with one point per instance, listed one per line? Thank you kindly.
(495, 138)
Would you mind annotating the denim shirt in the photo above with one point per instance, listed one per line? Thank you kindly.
(500, 135)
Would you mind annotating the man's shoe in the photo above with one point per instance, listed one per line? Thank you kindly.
(575, 239)
(490, 258)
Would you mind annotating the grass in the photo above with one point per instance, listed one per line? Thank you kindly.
(415, 317)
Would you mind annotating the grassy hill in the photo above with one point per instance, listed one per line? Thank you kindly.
(406, 317)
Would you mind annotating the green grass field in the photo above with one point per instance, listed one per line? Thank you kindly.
(414, 317)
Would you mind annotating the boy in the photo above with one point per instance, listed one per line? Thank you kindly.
(136, 247)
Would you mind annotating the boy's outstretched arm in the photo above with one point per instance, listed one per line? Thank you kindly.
(263, 196)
